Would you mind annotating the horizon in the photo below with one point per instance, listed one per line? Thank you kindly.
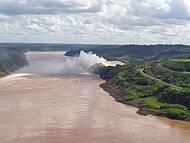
(175, 44)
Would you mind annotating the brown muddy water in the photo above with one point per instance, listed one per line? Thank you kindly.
(74, 109)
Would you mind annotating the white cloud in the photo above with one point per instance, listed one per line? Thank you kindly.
(48, 7)
(95, 21)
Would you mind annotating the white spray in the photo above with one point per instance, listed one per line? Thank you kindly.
(58, 63)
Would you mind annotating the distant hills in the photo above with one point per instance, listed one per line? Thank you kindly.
(12, 57)
(139, 52)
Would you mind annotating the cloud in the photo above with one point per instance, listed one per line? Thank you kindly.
(95, 21)
(148, 13)
(47, 7)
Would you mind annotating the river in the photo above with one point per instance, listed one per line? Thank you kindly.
(53, 108)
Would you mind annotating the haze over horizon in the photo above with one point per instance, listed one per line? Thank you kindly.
(95, 21)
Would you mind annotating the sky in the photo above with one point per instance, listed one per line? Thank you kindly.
(95, 21)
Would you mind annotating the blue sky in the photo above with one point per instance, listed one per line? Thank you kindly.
(95, 21)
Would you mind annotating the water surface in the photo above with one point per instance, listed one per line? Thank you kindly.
(74, 109)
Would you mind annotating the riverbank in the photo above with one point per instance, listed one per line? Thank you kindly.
(38, 110)
(129, 86)
(118, 96)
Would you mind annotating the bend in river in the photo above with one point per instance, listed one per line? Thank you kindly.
(38, 108)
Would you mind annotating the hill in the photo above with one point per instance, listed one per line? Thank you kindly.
(151, 87)
(180, 63)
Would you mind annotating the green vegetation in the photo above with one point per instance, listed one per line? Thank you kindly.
(179, 63)
(177, 66)
(175, 111)
(137, 52)
(181, 79)
(151, 103)
(124, 58)
(180, 60)
(154, 96)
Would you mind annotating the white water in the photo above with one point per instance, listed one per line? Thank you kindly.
(58, 63)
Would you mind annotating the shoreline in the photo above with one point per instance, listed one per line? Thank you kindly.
(119, 97)
(141, 109)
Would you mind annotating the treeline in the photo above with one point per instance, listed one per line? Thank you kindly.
(151, 96)
(180, 63)
(181, 79)
(137, 52)
(177, 65)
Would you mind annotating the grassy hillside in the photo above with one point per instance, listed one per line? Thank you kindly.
(179, 63)
(149, 94)
(177, 78)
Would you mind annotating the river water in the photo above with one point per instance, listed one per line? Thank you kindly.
(44, 108)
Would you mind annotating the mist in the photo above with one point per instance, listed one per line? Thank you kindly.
(58, 63)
